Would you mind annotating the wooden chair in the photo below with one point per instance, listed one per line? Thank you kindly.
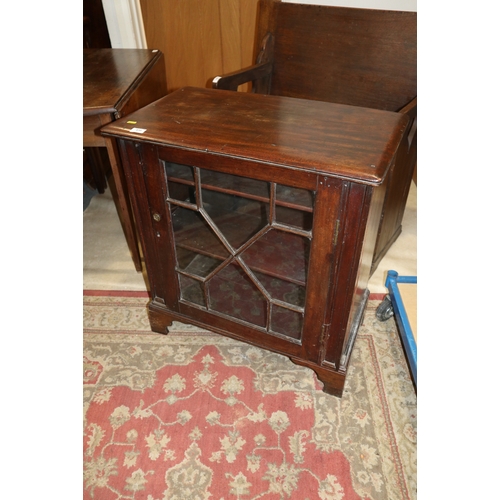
(359, 57)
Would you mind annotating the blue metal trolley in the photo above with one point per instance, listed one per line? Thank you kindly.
(393, 305)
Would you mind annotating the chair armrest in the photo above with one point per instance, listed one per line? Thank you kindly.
(411, 111)
(231, 81)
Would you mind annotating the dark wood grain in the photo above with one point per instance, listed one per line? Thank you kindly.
(111, 76)
(352, 56)
(349, 141)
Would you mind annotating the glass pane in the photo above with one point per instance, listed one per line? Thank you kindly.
(233, 293)
(180, 182)
(280, 254)
(292, 217)
(235, 183)
(193, 233)
(286, 322)
(290, 196)
(191, 290)
(237, 218)
(196, 263)
(283, 290)
(178, 171)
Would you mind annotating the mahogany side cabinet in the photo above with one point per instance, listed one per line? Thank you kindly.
(258, 216)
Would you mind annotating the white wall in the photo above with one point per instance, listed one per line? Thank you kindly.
(125, 25)
(407, 5)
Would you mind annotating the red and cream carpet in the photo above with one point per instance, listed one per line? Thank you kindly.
(194, 415)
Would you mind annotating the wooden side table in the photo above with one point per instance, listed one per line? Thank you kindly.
(117, 82)
(258, 216)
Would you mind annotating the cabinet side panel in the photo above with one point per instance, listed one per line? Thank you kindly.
(361, 291)
(350, 276)
(396, 196)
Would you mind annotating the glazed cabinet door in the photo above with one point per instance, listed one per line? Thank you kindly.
(239, 246)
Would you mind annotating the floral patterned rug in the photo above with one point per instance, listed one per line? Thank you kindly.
(194, 415)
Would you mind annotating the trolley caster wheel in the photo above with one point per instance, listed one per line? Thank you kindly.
(385, 309)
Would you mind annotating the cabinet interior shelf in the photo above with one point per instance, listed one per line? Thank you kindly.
(280, 260)
(294, 198)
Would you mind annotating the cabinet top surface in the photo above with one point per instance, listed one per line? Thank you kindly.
(110, 76)
(332, 139)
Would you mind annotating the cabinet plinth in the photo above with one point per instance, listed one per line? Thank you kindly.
(258, 216)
